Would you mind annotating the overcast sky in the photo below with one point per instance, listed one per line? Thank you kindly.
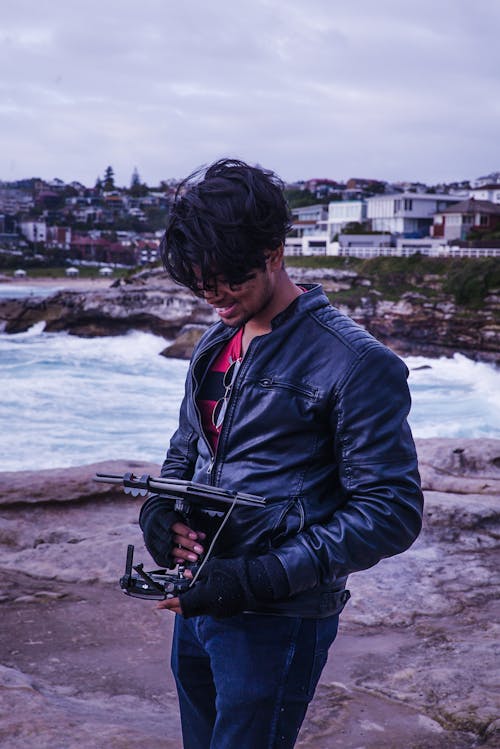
(385, 89)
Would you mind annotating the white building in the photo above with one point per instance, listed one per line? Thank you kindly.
(364, 245)
(13, 200)
(309, 218)
(343, 212)
(457, 221)
(486, 192)
(424, 246)
(310, 244)
(407, 213)
(34, 231)
(58, 237)
(493, 178)
(309, 234)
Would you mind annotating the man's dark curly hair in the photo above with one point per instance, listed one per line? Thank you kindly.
(224, 221)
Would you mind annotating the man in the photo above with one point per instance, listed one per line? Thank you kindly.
(288, 399)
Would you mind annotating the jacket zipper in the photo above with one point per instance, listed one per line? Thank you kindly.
(225, 427)
(213, 455)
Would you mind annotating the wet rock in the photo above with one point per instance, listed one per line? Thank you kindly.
(159, 307)
(67, 484)
(460, 466)
(183, 346)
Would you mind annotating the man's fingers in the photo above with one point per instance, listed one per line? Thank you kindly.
(170, 604)
(180, 554)
(184, 530)
(186, 545)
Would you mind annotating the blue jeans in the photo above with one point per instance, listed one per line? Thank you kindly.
(245, 682)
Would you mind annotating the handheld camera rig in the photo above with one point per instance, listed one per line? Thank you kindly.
(160, 584)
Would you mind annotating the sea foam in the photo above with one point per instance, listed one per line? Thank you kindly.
(66, 400)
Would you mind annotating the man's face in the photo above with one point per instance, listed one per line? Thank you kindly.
(236, 304)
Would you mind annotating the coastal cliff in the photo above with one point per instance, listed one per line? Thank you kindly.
(419, 316)
(149, 302)
(83, 665)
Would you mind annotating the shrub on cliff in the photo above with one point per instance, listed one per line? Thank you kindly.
(472, 282)
(468, 280)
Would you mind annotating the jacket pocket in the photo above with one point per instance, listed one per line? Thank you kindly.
(252, 531)
(292, 386)
(290, 522)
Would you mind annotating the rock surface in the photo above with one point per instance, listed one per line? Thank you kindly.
(414, 324)
(183, 346)
(414, 665)
(157, 305)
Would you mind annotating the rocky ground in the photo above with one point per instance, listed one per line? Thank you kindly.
(82, 665)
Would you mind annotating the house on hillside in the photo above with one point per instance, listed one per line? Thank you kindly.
(489, 192)
(90, 249)
(34, 230)
(147, 249)
(306, 217)
(15, 200)
(493, 178)
(343, 212)
(407, 214)
(456, 221)
(309, 234)
(323, 188)
(58, 237)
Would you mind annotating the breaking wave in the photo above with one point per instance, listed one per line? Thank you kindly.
(67, 401)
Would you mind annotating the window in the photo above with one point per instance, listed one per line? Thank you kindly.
(408, 204)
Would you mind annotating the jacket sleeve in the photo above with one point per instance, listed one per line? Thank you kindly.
(182, 453)
(377, 463)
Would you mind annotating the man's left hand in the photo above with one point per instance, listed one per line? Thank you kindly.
(227, 587)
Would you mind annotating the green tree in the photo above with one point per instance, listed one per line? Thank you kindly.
(137, 188)
(109, 179)
(299, 198)
(135, 180)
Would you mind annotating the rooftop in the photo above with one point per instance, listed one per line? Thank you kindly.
(473, 206)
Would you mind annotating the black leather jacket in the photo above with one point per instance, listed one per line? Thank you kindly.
(316, 423)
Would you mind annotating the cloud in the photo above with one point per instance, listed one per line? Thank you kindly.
(387, 89)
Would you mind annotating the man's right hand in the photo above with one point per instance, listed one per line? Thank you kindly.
(186, 544)
(168, 539)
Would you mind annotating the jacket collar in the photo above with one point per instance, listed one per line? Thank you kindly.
(312, 299)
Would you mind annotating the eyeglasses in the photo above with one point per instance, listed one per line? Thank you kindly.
(212, 285)
(220, 407)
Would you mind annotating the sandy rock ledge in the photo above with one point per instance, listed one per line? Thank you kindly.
(415, 664)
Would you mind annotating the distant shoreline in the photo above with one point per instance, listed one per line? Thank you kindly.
(62, 283)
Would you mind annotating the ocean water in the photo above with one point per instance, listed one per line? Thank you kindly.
(68, 401)
(23, 290)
